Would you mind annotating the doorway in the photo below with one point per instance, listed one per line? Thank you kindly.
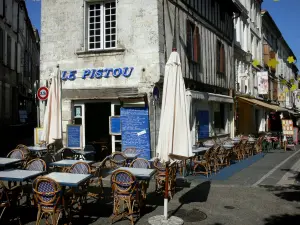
(97, 128)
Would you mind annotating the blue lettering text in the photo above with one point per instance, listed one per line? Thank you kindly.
(64, 75)
(93, 73)
(126, 74)
(72, 75)
(99, 74)
(117, 72)
(86, 73)
(109, 70)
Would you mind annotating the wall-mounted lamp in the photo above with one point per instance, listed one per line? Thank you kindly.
(248, 57)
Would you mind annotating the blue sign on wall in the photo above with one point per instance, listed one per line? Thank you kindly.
(203, 119)
(97, 73)
(74, 136)
(114, 125)
(135, 130)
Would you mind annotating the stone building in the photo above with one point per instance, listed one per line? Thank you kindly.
(250, 118)
(113, 53)
(19, 63)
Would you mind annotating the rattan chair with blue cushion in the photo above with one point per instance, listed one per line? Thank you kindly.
(140, 163)
(126, 192)
(80, 193)
(36, 165)
(118, 159)
(16, 154)
(130, 150)
(80, 168)
(24, 148)
(49, 199)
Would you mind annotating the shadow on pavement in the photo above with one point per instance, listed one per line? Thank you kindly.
(285, 219)
(289, 192)
(197, 194)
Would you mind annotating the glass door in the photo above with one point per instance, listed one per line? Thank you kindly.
(116, 140)
(79, 118)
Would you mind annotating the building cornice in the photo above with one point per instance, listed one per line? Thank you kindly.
(241, 8)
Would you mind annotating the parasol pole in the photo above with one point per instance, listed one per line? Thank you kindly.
(166, 199)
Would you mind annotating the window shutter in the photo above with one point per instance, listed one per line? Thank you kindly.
(197, 45)
(188, 38)
(218, 55)
(222, 59)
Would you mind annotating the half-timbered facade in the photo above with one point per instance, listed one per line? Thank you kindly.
(202, 31)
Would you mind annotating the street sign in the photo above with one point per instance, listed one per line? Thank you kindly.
(42, 93)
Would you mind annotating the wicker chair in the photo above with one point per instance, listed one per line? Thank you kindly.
(48, 196)
(118, 159)
(131, 150)
(36, 165)
(160, 175)
(126, 191)
(144, 184)
(24, 148)
(140, 163)
(203, 163)
(16, 154)
(80, 193)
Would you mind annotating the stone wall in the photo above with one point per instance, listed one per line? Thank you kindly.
(63, 42)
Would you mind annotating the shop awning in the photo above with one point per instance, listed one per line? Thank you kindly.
(293, 112)
(101, 93)
(211, 97)
(253, 101)
(219, 98)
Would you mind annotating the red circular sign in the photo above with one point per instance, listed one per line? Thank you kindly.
(42, 93)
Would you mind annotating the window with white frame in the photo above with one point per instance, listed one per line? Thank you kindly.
(101, 25)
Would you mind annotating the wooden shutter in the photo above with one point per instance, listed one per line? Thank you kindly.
(222, 58)
(266, 54)
(188, 38)
(196, 45)
(218, 56)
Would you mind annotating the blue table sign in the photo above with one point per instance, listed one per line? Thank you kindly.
(74, 136)
(114, 125)
(135, 130)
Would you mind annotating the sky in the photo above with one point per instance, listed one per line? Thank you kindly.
(286, 14)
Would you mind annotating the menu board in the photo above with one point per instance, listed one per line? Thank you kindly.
(74, 136)
(114, 125)
(287, 127)
(38, 131)
(135, 130)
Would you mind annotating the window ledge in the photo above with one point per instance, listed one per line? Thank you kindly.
(100, 52)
